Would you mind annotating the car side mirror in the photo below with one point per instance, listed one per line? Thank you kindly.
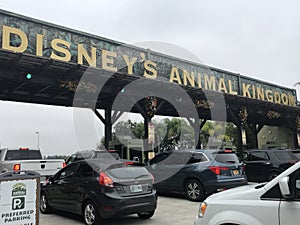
(285, 188)
(50, 179)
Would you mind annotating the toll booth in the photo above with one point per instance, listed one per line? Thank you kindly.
(19, 198)
(131, 149)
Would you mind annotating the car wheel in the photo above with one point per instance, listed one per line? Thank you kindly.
(44, 205)
(90, 214)
(194, 191)
(272, 175)
(146, 215)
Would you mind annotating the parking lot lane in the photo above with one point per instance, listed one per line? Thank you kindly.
(170, 211)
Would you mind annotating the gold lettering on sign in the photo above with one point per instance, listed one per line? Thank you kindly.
(56, 45)
(199, 80)
(269, 95)
(187, 77)
(209, 82)
(246, 92)
(6, 34)
(150, 69)
(16, 40)
(222, 85)
(174, 76)
(230, 88)
(284, 99)
(129, 63)
(292, 101)
(261, 93)
(277, 98)
(82, 53)
(108, 60)
(39, 45)
(253, 91)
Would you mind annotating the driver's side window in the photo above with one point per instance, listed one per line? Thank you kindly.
(67, 173)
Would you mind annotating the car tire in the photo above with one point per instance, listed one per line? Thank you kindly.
(194, 191)
(90, 214)
(272, 175)
(146, 215)
(44, 205)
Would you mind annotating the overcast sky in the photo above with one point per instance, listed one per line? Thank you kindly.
(259, 39)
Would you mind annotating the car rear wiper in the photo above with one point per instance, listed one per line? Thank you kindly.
(229, 161)
(143, 175)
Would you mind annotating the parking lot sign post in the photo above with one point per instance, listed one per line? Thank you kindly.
(19, 198)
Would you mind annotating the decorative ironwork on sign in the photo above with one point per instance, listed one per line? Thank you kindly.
(204, 104)
(243, 114)
(151, 106)
(75, 85)
(273, 114)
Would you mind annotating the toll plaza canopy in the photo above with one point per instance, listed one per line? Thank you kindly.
(50, 64)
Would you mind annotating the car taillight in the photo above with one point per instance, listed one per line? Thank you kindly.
(128, 163)
(217, 169)
(64, 165)
(152, 178)
(105, 180)
(17, 167)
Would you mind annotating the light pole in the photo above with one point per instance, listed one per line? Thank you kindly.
(38, 139)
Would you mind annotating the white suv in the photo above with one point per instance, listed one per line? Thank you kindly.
(273, 203)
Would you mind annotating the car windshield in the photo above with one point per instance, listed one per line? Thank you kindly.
(225, 157)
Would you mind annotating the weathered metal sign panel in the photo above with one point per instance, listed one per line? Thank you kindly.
(26, 35)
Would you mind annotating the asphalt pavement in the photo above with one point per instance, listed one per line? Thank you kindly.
(171, 210)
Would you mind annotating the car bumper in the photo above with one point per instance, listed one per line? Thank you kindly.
(125, 206)
(214, 186)
(197, 221)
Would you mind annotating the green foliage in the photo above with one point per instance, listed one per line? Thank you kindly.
(176, 133)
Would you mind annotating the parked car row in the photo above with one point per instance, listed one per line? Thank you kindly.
(103, 185)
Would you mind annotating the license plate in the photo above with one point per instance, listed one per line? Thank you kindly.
(136, 188)
(235, 172)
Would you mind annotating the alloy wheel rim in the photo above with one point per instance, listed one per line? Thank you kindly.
(89, 214)
(43, 203)
(193, 190)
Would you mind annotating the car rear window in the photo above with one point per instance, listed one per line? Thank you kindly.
(23, 154)
(285, 156)
(109, 155)
(223, 157)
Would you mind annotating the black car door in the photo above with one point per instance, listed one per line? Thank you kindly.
(59, 190)
(257, 164)
(82, 183)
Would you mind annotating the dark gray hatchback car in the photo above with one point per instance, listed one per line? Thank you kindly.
(99, 189)
(196, 173)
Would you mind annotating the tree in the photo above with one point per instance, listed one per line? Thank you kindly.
(176, 133)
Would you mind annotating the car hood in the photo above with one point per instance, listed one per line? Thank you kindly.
(246, 192)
